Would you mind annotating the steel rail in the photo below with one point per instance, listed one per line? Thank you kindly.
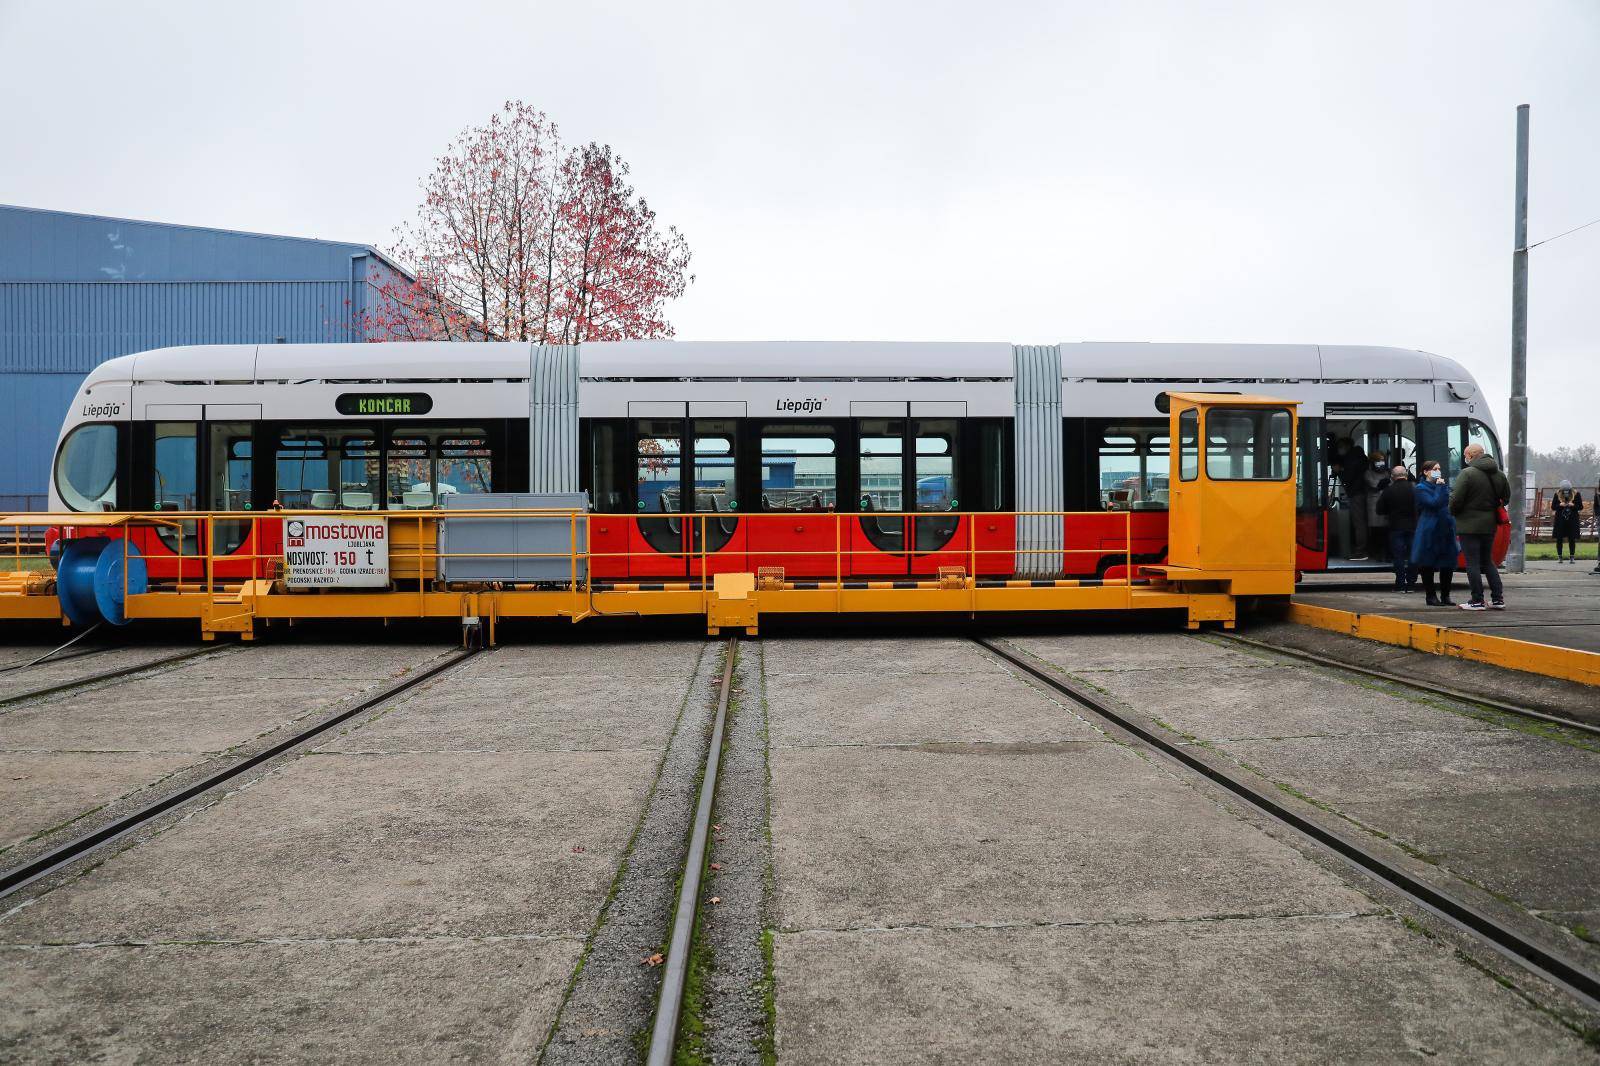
(664, 1034)
(110, 675)
(58, 857)
(1421, 686)
(1563, 973)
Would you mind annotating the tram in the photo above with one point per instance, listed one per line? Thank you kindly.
(867, 459)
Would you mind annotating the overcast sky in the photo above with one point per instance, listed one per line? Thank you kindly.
(1027, 172)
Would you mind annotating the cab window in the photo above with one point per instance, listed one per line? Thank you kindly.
(1248, 444)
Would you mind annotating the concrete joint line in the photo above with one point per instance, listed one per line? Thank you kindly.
(1106, 923)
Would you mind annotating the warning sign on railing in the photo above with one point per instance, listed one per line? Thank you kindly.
(336, 552)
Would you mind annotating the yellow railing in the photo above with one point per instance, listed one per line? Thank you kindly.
(420, 559)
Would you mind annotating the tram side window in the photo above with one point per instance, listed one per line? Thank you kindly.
(658, 464)
(229, 488)
(991, 466)
(799, 468)
(86, 468)
(937, 488)
(882, 441)
(426, 464)
(465, 466)
(1134, 468)
(1189, 445)
(1248, 444)
(715, 488)
(175, 464)
(327, 470)
(606, 486)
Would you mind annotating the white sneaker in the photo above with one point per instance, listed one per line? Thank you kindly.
(1472, 607)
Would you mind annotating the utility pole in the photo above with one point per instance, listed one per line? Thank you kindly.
(1517, 454)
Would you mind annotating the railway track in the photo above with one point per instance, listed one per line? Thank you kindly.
(1427, 687)
(669, 1003)
(55, 859)
(1560, 971)
(111, 675)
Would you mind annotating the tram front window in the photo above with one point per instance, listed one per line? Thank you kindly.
(86, 468)
(1481, 435)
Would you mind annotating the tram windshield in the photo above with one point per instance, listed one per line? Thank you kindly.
(86, 468)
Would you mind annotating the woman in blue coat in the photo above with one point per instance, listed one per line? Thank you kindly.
(1434, 547)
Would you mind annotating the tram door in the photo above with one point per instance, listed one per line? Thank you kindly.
(1365, 443)
(909, 472)
(687, 498)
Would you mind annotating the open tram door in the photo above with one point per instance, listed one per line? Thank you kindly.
(1232, 494)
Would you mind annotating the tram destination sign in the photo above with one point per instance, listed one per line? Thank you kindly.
(383, 403)
(324, 553)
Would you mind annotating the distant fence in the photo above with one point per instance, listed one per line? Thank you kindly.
(1541, 519)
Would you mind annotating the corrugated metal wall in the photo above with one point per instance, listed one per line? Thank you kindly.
(76, 290)
(61, 327)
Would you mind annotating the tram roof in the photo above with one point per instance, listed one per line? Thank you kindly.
(423, 360)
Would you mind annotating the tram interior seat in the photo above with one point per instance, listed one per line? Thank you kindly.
(322, 501)
(358, 501)
(413, 500)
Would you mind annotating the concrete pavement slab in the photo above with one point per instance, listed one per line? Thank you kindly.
(365, 846)
(1131, 651)
(878, 656)
(167, 713)
(325, 661)
(466, 713)
(314, 1001)
(664, 658)
(1283, 991)
(1280, 701)
(858, 707)
(885, 837)
(1511, 811)
(51, 672)
(44, 790)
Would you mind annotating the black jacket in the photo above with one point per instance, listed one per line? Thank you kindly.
(1398, 503)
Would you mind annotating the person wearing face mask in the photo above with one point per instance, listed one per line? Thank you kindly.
(1566, 509)
(1352, 474)
(1433, 546)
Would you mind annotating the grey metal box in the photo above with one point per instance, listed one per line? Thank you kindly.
(496, 541)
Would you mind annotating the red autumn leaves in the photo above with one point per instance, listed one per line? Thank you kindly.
(520, 237)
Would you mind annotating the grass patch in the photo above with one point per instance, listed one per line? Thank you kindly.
(769, 998)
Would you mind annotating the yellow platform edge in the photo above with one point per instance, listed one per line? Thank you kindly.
(1568, 664)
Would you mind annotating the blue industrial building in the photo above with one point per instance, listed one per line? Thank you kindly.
(76, 290)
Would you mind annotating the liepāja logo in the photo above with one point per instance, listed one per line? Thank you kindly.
(101, 410)
(809, 405)
(296, 533)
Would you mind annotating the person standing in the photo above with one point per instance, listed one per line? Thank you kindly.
(1353, 473)
(1566, 507)
(1477, 496)
(1433, 546)
(1377, 479)
(1397, 505)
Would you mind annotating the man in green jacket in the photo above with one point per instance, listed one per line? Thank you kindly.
(1480, 490)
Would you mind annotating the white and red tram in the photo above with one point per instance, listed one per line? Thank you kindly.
(673, 441)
